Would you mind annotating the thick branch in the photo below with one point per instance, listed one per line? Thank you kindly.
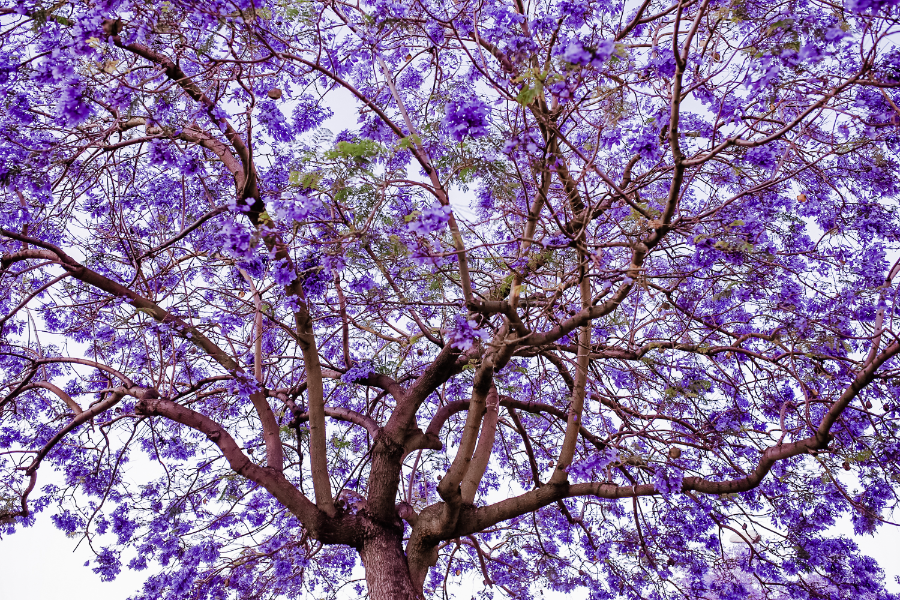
(317, 522)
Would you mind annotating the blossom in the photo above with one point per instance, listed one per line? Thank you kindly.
(295, 206)
(162, 152)
(363, 284)
(73, 108)
(667, 479)
(577, 53)
(359, 371)
(467, 118)
(236, 240)
(596, 462)
(282, 273)
(465, 333)
(309, 113)
(430, 220)
(870, 6)
(275, 123)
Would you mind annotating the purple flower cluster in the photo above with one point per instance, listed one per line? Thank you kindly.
(309, 114)
(467, 118)
(73, 107)
(667, 479)
(577, 53)
(295, 206)
(358, 372)
(236, 240)
(363, 284)
(282, 272)
(276, 125)
(464, 333)
(430, 220)
(585, 469)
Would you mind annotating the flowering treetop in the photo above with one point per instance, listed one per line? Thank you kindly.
(666, 320)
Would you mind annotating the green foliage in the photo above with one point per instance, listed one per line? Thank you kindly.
(361, 151)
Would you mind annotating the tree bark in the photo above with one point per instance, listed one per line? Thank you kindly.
(387, 570)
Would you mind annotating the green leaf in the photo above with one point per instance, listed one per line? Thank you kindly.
(360, 151)
(861, 456)
(409, 142)
(528, 94)
(782, 24)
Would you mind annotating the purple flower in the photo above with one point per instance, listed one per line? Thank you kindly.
(870, 6)
(309, 114)
(236, 240)
(359, 371)
(808, 53)
(435, 32)
(467, 118)
(72, 107)
(275, 123)
(597, 462)
(430, 220)
(770, 70)
(295, 206)
(108, 564)
(765, 157)
(292, 303)
(667, 479)
(244, 385)
(835, 34)
(161, 152)
(282, 273)
(579, 54)
(363, 284)
(464, 333)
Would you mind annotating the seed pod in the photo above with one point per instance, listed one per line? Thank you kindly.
(420, 352)
(868, 404)
(801, 198)
(674, 452)
(671, 561)
(274, 93)
(846, 466)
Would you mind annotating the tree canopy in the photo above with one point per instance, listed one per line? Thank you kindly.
(584, 291)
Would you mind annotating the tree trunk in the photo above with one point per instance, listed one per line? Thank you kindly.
(387, 571)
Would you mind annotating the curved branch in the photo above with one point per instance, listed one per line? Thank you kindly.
(29, 298)
(92, 278)
(320, 526)
(348, 416)
(113, 398)
(76, 408)
(6, 517)
(451, 408)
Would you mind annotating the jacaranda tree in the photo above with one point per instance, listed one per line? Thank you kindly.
(584, 291)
